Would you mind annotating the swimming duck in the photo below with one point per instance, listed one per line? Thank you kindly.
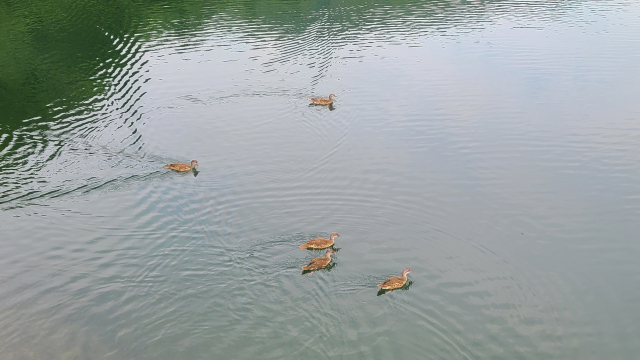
(182, 166)
(319, 243)
(395, 282)
(323, 101)
(319, 262)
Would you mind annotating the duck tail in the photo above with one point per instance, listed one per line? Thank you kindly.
(303, 246)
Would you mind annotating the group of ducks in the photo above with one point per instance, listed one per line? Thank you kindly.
(392, 283)
(186, 167)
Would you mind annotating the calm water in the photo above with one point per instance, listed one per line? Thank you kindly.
(492, 146)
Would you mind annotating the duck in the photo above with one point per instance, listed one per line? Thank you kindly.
(182, 166)
(323, 101)
(395, 282)
(320, 243)
(319, 262)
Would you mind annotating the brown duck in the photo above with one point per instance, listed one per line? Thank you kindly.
(395, 282)
(323, 101)
(319, 262)
(319, 243)
(182, 166)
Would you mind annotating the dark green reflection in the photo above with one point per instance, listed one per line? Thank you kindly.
(53, 50)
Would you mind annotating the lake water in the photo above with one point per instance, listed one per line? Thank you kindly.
(491, 146)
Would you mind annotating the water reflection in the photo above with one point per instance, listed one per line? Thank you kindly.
(480, 141)
(92, 103)
(330, 106)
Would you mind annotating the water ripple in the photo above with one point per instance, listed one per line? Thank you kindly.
(462, 144)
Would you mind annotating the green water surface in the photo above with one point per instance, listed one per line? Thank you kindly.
(491, 146)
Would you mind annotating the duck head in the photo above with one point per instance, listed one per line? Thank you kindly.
(194, 163)
(406, 271)
(334, 235)
(331, 96)
(329, 252)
